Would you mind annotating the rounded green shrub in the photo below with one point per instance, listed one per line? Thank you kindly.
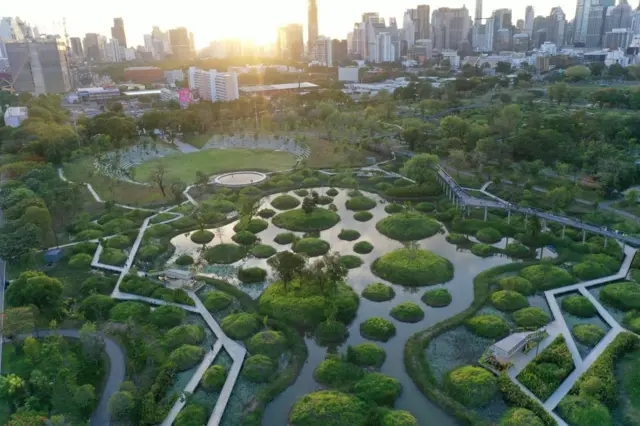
(214, 378)
(508, 300)
(252, 275)
(377, 328)
(158, 230)
(301, 192)
(259, 368)
(631, 320)
(413, 267)
(119, 242)
(332, 192)
(87, 248)
(517, 250)
(240, 326)
(531, 318)
(285, 202)
(250, 191)
(96, 307)
(167, 316)
(398, 418)
(262, 251)
(114, 257)
(349, 235)
(516, 283)
(624, 295)
(266, 213)
(589, 270)
(378, 292)
(89, 234)
(186, 356)
(363, 247)
(393, 208)
(254, 226)
(471, 386)
(520, 417)
(185, 334)
(297, 220)
(184, 260)
(149, 253)
(202, 237)
(588, 334)
(285, 183)
(610, 263)
(333, 371)
(221, 206)
(191, 415)
(437, 298)
(329, 408)
(184, 223)
(457, 239)
(366, 355)
(584, 411)
(425, 207)
(546, 277)
(407, 312)
(285, 238)
(123, 311)
(351, 262)
(98, 284)
(488, 235)
(323, 200)
(383, 186)
(80, 261)
(363, 216)
(410, 226)
(579, 306)
(216, 301)
(269, 342)
(312, 247)
(224, 254)
(116, 226)
(330, 332)
(378, 389)
(483, 250)
(245, 238)
(489, 326)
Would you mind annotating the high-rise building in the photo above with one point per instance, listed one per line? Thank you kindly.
(558, 22)
(409, 27)
(581, 20)
(595, 26)
(477, 28)
(323, 51)
(212, 85)
(9, 31)
(618, 16)
(450, 27)
(375, 26)
(528, 20)
(339, 50)
(92, 47)
(423, 27)
(39, 66)
(312, 29)
(114, 53)
(180, 43)
(290, 44)
(76, 48)
(617, 38)
(117, 32)
(501, 22)
(520, 24)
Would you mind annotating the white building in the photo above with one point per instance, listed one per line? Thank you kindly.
(14, 116)
(322, 51)
(167, 95)
(214, 86)
(616, 57)
(549, 48)
(172, 76)
(112, 51)
(453, 58)
(385, 49)
(348, 74)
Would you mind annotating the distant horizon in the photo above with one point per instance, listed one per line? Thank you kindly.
(248, 20)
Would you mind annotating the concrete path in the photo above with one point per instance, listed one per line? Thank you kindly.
(184, 147)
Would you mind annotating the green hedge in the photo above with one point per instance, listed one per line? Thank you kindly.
(378, 292)
(329, 408)
(113, 257)
(514, 396)
(349, 235)
(330, 332)
(377, 388)
(363, 247)
(186, 357)
(252, 275)
(471, 386)
(241, 325)
(216, 301)
(259, 368)
(407, 312)
(363, 216)
(579, 306)
(214, 378)
(437, 298)
(588, 334)
(413, 267)
(285, 238)
(624, 295)
(584, 411)
(516, 283)
(410, 226)
(80, 261)
(531, 318)
(268, 342)
(334, 371)
(366, 355)
(509, 301)
(119, 242)
(547, 277)
(377, 328)
(489, 326)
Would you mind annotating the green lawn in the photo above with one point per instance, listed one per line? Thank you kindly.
(185, 166)
(199, 140)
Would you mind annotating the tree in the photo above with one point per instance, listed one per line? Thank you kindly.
(121, 405)
(287, 266)
(41, 219)
(631, 197)
(421, 168)
(503, 67)
(634, 71)
(18, 321)
(308, 205)
(577, 73)
(177, 188)
(84, 400)
(92, 344)
(454, 127)
(458, 159)
(560, 198)
(201, 178)
(36, 288)
(11, 387)
(158, 177)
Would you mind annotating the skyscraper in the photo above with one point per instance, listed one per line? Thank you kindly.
(423, 27)
(312, 30)
(39, 67)
(528, 21)
(76, 48)
(558, 23)
(117, 32)
(450, 27)
(290, 44)
(618, 16)
(180, 43)
(476, 41)
(581, 21)
(92, 47)
(595, 26)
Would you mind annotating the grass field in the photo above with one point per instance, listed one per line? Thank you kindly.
(324, 155)
(199, 140)
(210, 162)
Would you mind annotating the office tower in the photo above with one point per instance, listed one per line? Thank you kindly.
(323, 51)
(528, 20)
(312, 30)
(9, 31)
(192, 44)
(409, 28)
(595, 26)
(113, 51)
(581, 21)
(558, 22)
(290, 44)
(117, 32)
(92, 46)
(423, 27)
(500, 23)
(180, 43)
(374, 26)
(212, 85)
(450, 27)
(618, 16)
(617, 38)
(102, 45)
(520, 24)
(148, 44)
(39, 67)
(358, 43)
(339, 50)
(350, 42)
(635, 22)
(568, 34)
(477, 30)
(76, 48)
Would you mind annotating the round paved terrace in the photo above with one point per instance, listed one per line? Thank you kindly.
(238, 179)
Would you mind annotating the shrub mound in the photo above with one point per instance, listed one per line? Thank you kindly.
(334, 371)
(245, 238)
(186, 356)
(285, 202)
(329, 408)
(378, 292)
(312, 247)
(254, 226)
(516, 283)
(410, 226)
(240, 326)
(350, 261)
(363, 247)
(413, 268)
(425, 207)
(517, 250)
(393, 208)
(123, 311)
(584, 411)
(625, 295)
(192, 414)
(262, 251)
(349, 235)
(119, 242)
(377, 328)
(378, 389)
(214, 378)
(483, 250)
(631, 320)
(366, 355)
(330, 332)
(301, 192)
(457, 239)
(407, 312)
(252, 275)
(363, 216)
(297, 220)
(398, 418)
(588, 334)
(489, 326)
(509, 301)
(186, 334)
(332, 192)
(224, 253)
(167, 316)
(520, 417)
(184, 260)
(259, 368)
(531, 318)
(437, 298)
(80, 261)
(285, 238)
(266, 213)
(158, 230)
(471, 386)
(549, 368)
(579, 306)
(113, 257)
(360, 203)
(488, 235)
(589, 270)
(202, 237)
(216, 301)
(546, 277)
(269, 342)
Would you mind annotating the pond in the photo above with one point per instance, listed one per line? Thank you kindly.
(466, 265)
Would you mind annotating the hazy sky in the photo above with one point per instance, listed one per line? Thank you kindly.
(251, 19)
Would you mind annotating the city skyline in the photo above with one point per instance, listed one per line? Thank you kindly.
(335, 19)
